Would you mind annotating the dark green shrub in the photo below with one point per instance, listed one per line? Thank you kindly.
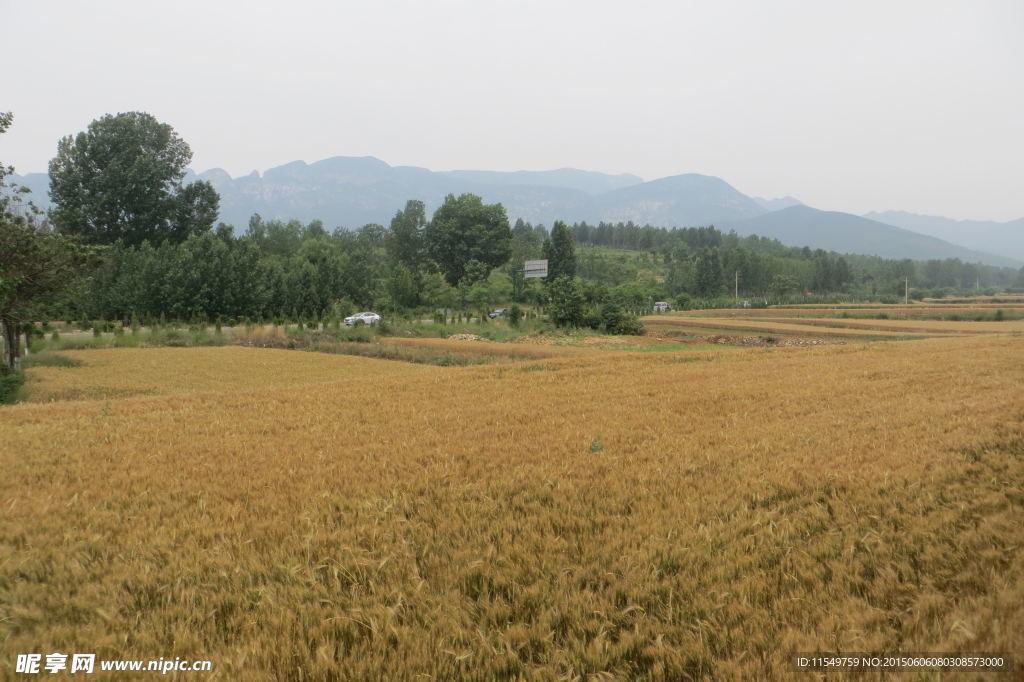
(10, 382)
(615, 320)
(515, 315)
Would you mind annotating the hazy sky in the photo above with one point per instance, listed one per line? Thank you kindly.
(852, 106)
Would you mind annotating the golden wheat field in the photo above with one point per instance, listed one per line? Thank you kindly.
(592, 516)
(160, 371)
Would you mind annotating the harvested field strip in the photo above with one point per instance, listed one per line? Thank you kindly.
(1013, 301)
(768, 327)
(915, 326)
(917, 311)
(463, 525)
(493, 349)
(700, 335)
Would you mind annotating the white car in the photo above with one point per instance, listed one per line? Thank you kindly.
(365, 318)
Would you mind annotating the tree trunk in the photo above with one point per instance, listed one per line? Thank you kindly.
(12, 349)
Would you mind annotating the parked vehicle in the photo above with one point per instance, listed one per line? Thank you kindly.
(365, 318)
(500, 312)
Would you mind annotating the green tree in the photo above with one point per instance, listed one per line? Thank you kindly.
(464, 230)
(565, 306)
(708, 279)
(527, 244)
(122, 179)
(560, 252)
(403, 288)
(783, 284)
(35, 264)
(404, 241)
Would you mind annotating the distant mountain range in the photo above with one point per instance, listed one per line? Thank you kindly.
(848, 233)
(354, 191)
(1005, 238)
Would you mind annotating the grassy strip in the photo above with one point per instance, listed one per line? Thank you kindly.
(167, 336)
(48, 358)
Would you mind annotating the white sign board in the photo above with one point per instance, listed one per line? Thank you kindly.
(535, 268)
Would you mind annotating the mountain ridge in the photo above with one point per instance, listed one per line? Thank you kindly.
(351, 191)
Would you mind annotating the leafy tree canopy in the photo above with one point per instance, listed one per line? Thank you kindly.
(404, 241)
(121, 180)
(464, 230)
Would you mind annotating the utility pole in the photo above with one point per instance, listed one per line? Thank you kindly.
(906, 291)
(737, 285)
